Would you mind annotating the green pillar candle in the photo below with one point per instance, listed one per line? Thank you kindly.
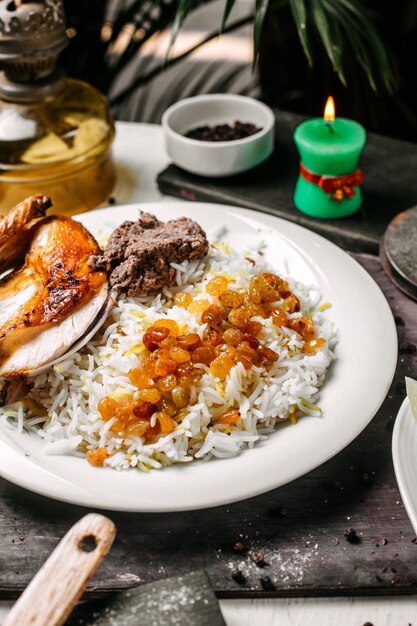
(329, 150)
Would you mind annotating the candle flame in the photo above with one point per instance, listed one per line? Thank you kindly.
(329, 110)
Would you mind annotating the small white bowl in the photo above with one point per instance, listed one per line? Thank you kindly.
(218, 158)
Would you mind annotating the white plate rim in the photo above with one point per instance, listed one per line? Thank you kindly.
(401, 443)
(35, 478)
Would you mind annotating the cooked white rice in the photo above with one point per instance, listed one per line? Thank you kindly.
(69, 393)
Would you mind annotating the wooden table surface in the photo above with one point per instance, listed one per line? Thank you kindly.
(299, 529)
(303, 524)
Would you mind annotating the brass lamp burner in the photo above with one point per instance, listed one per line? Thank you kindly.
(55, 133)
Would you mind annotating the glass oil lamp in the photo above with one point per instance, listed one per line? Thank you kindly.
(55, 133)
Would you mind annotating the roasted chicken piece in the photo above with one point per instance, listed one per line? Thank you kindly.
(16, 229)
(48, 303)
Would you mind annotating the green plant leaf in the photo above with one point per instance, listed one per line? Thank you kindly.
(298, 10)
(227, 9)
(184, 8)
(260, 12)
(332, 47)
(365, 42)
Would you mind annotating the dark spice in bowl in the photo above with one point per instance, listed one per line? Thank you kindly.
(223, 132)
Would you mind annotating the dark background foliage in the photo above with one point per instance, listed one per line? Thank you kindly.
(283, 73)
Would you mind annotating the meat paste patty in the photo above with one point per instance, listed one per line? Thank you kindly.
(139, 254)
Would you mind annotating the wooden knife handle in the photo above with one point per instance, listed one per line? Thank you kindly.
(49, 598)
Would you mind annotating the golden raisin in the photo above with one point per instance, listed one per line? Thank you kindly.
(252, 328)
(253, 309)
(251, 340)
(231, 417)
(277, 283)
(204, 354)
(168, 406)
(238, 317)
(304, 326)
(152, 432)
(212, 316)
(268, 354)
(232, 336)
(181, 397)
(107, 408)
(182, 298)
(139, 378)
(247, 363)
(157, 334)
(225, 350)
(149, 365)
(260, 290)
(97, 457)
(192, 379)
(231, 298)
(136, 429)
(221, 366)
(149, 395)
(164, 366)
(313, 345)
(167, 383)
(179, 355)
(198, 306)
(184, 369)
(217, 285)
(144, 410)
(190, 341)
(168, 343)
(244, 349)
(166, 423)
(214, 337)
(279, 317)
(224, 311)
(149, 343)
(292, 304)
(170, 324)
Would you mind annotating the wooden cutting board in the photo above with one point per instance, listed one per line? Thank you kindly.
(288, 542)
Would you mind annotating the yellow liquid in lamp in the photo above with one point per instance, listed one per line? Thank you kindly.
(60, 147)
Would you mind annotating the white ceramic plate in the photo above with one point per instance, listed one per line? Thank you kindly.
(354, 390)
(404, 455)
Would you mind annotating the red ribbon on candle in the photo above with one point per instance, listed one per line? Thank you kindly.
(338, 187)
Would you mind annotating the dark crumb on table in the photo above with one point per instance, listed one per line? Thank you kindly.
(112, 200)
(238, 577)
(267, 584)
(259, 560)
(368, 624)
(400, 387)
(399, 320)
(239, 547)
(351, 535)
(278, 512)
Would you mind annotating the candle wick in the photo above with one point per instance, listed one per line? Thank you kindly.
(330, 127)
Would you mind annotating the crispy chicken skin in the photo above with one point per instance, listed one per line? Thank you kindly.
(54, 281)
(16, 229)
